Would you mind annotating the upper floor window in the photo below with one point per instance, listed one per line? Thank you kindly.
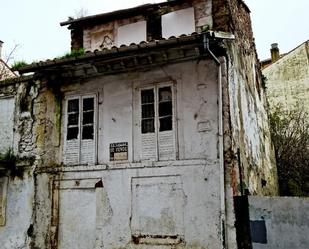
(80, 139)
(131, 33)
(157, 123)
(178, 22)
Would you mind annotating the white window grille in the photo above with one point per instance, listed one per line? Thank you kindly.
(80, 130)
(157, 123)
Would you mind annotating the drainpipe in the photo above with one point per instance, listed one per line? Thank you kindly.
(220, 127)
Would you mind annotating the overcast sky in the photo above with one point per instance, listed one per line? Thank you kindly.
(33, 25)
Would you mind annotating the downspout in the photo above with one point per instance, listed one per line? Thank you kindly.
(220, 133)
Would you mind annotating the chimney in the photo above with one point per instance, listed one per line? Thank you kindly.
(274, 51)
(1, 42)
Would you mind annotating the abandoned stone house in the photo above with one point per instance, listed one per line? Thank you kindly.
(144, 140)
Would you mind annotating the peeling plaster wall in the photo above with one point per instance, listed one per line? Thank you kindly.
(19, 211)
(288, 79)
(248, 151)
(118, 210)
(122, 212)
(36, 130)
(121, 209)
(248, 129)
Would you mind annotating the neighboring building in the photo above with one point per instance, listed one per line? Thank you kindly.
(5, 71)
(287, 77)
(142, 145)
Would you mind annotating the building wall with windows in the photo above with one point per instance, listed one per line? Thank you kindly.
(158, 117)
(137, 146)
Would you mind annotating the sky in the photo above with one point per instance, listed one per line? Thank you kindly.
(32, 26)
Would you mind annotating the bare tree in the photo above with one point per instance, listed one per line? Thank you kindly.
(290, 135)
(5, 71)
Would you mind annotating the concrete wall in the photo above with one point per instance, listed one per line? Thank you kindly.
(287, 80)
(279, 222)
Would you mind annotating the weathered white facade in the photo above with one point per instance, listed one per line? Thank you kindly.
(142, 146)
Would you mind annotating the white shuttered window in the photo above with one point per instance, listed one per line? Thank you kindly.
(80, 136)
(157, 123)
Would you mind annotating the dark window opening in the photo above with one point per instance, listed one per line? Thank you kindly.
(154, 27)
(88, 117)
(73, 105)
(148, 111)
(166, 124)
(165, 94)
(88, 132)
(88, 104)
(72, 133)
(147, 96)
(148, 125)
(73, 119)
(165, 109)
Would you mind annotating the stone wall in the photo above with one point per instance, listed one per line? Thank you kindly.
(251, 155)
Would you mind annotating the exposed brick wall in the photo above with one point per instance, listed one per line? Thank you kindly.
(77, 39)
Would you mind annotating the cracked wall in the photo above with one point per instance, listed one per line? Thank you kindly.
(246, 126)
(32, 145)
(51, 189)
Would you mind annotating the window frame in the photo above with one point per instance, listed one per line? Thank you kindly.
(80, 98)
(156, 86)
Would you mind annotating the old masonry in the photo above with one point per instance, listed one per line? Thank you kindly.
(141, 142)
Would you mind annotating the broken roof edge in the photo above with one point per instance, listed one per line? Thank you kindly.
(122, 13)
(15, 80)
(123, 49)
(114, 51)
